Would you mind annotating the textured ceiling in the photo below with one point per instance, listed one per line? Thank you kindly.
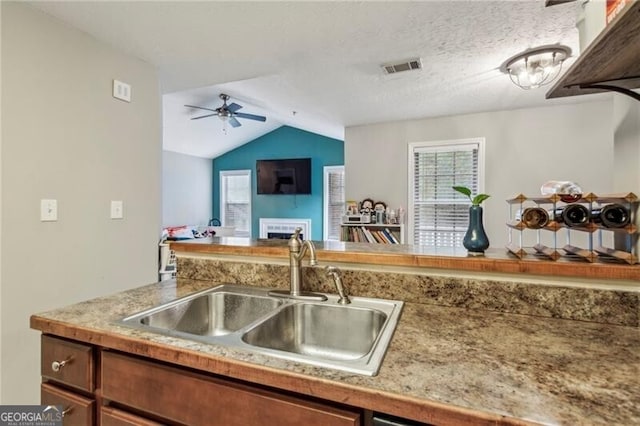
(322, 59)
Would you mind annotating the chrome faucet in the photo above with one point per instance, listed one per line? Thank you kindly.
(334, 273)
(297, 250)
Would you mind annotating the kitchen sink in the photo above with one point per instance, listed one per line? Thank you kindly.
(210, 314)
(323, 331)
(351, 337)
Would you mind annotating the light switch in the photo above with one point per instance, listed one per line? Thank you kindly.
(122, 91)
(48, 210)
(117, 209)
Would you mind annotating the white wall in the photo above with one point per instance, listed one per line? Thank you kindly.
(524, 148)
(186, 189)
(626, 123)
(65, 137)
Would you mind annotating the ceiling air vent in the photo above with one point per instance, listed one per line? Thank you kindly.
(408, 65)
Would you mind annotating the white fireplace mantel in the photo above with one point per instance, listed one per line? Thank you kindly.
(285, 226)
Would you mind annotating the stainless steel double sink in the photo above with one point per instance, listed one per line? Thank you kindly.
(352, 338)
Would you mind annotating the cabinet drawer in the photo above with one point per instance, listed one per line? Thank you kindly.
(68, 362)
(195, 399)
(110, 416)
(78, 409)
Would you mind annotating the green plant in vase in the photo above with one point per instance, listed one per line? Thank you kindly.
(475, 240)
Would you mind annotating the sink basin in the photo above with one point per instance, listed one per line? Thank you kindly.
(351, 337)
(212, 313)
(323, 331)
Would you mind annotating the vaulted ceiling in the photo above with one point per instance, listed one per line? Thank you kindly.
(316, 65)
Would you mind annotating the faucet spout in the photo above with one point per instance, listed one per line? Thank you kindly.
(308, 246)
(297, 251)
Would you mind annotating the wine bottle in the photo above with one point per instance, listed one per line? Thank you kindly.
(611, 216)
(572, 215)
(534, 217)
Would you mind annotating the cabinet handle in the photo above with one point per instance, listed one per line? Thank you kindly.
(67, 410)
(57, 365)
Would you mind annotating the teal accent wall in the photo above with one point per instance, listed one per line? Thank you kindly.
(284, 142)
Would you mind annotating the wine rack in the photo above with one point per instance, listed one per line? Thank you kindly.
(590, 242)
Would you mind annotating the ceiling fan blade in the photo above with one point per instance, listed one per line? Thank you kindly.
(234, 122)
(250, 116)
(234, 107)
(204, 116)
(208, 109)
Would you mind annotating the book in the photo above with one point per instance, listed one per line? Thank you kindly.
(368, 235)
(385, 239)
(391, 236)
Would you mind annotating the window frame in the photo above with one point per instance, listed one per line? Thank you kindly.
(444, 145)
(223, 174)
(326, 171)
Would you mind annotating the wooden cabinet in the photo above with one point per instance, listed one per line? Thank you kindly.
(197, 399)
(77, 409)
(110, 416)
(68, 363)
(68, 373)
(124, 390)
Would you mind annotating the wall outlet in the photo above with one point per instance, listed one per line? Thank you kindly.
(121, 91)
(48, 210)
(117, 210)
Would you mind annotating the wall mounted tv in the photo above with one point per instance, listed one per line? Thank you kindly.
(290, 176)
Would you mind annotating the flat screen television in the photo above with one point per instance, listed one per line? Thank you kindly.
(289, 176)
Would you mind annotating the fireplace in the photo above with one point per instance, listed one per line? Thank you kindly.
(283, 228)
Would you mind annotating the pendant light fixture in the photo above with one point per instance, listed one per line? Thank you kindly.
(536, 67)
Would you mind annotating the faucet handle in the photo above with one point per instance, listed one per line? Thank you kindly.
(294, 240)
(296, 234)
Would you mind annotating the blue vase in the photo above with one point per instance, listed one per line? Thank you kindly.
(475, 240)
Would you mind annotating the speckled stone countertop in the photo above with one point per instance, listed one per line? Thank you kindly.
(495, 259)
(444, 365)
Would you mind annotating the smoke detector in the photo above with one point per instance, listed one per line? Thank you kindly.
(406, 65)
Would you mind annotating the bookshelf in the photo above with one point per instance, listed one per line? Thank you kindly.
(372, 233)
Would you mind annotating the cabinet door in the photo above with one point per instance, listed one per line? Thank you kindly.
(67, 362)
(110, 416)
(78, 409)
(195, 399)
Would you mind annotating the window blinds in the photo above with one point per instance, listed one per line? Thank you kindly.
(336, 203)
(236, 201)
(440, 214)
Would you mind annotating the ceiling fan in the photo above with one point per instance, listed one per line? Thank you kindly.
(228, 112)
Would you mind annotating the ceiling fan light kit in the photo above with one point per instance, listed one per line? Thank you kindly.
(536, 67)
(228, 113)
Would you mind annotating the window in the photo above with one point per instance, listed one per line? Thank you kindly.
(333, 201)
(235, 200)
(439, 216)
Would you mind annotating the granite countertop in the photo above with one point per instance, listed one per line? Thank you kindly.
(405, 255)
(443, 363)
